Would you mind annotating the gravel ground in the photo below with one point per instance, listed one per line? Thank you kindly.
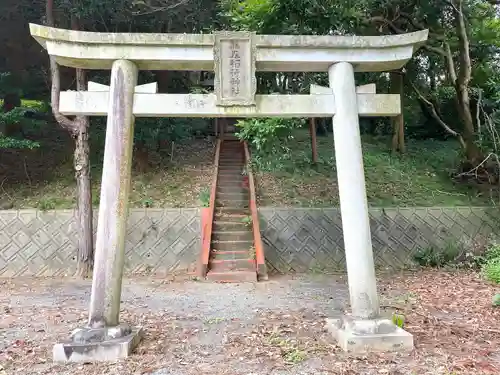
(274, 327)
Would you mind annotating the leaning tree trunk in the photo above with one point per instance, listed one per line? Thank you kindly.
(84, 190)
(462, 79)
(78, 129)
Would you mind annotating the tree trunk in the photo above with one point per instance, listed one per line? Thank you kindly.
(83, 189)
(398, 138)
(461, 83)
(78, 128)
(84, 201)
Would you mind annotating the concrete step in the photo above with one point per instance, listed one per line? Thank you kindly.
(236, 195)
(232, 203)
(237, 225)
(242, 235)
(231, 189)
(231, 166)
(231, 171)
(232, 265)
(227, 184)
(233, 277)
(231, 160)
(230, 255)
(231, 245)
(230, 177)
(231, 218)
(231, 186)
(231, 211)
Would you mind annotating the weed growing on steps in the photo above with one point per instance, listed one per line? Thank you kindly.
(247, 220)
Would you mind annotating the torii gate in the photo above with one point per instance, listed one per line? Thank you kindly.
(235, 57)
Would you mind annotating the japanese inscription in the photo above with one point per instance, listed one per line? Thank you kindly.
(234, 69)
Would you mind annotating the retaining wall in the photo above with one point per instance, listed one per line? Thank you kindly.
(166, 241)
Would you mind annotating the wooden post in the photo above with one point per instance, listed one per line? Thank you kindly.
(314, 148)
(398, 137)
(113, 209)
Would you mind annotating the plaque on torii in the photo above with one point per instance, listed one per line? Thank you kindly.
(234, 65)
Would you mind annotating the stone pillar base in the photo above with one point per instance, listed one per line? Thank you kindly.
(361, 336)
(98, 345)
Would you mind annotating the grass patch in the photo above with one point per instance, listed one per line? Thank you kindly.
(419, 178)
(44, 178)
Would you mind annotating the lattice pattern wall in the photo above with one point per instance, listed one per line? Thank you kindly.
(305, 239)
(35, 243)
(165, 241)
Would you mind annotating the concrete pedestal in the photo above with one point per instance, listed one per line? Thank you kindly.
(98, 345)
(375, 335)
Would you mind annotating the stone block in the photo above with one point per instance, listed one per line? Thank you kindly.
(110, 349)
(362, 336)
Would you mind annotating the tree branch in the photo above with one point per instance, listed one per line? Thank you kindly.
(154, 9)
(451, 64)
(436, 116)
(463, 45)
(385, 22)
(65, 122)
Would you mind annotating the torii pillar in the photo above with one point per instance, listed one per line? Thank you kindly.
(363, 329)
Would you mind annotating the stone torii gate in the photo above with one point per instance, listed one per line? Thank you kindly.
(235, 57)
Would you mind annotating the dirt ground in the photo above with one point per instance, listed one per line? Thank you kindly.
(274, 327)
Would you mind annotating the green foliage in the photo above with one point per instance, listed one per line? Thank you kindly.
(152, 130)
(268, 135)
(7, 85)
(17, 117)
(205, 197)
(247, 220)
(46, 204)
(7, 142)
(491, 269)
(496, 300)
(464, 254)
(434, 257)
(269, 138)
(398, 320)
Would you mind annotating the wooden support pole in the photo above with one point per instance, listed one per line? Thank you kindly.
(314, 146)
(398, 135)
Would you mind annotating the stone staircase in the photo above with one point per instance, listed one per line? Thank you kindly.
(232, 254)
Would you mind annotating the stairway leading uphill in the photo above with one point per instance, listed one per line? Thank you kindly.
(232, 258)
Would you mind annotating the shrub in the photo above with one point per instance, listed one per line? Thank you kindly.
(491, 270)
(435, 257)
